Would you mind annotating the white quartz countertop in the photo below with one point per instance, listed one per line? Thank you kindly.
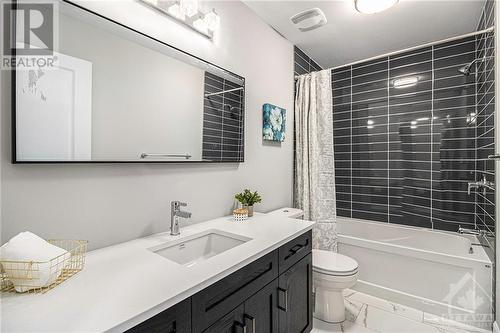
(125, 284)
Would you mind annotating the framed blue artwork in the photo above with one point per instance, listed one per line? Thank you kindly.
(274, 119)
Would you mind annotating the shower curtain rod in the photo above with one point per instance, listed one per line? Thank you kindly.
(470, 34)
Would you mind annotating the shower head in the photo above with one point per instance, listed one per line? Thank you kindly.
(466, 70)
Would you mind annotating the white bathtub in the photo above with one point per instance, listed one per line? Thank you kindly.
(433, 271)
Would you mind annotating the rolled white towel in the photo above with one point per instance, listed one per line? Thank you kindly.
(27, 246)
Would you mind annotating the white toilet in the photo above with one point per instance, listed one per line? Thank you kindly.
(332, 274)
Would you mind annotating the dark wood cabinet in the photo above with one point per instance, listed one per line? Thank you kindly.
(215, 301)
(273, 294)
(261, 310)
(233, 322)
(176, 319)
(295, 297)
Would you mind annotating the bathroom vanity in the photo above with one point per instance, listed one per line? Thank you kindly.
(253, 276)
(271, 294)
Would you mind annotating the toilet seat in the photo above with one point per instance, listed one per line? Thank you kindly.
(334, 264)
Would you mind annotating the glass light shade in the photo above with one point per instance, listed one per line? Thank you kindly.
(212, 20)
(189, 7)
(373, 6)
(200, 24)
(175, 11)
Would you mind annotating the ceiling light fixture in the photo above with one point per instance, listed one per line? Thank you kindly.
(373, 6)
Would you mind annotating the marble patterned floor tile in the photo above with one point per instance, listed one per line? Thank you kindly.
(388, 322)
(352, 309)
(346, 327)
(451, 326)
(385, 305)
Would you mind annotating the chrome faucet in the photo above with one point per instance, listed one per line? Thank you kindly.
(175, 213)
(482, 183)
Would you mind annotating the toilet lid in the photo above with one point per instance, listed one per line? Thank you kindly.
(332, 263)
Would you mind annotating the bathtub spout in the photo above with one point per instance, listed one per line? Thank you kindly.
(466, 231)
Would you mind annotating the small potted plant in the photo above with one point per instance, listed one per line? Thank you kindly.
(248, 199)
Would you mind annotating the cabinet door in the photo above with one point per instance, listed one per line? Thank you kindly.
(176, 319)
(231, 323)
(295, 298)
(261, 310)
(220, 298)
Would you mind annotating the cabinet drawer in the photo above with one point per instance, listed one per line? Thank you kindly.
(293, 251)
(223, 296)
(176, 319)
(230, 323)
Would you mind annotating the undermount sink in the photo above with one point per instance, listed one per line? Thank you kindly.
(192, 249)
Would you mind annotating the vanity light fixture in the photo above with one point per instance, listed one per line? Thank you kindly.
(189, 7)
(187, 13)
(405, 82)
(212, 19)
(175, 11)
(373, 6)
(200, 24)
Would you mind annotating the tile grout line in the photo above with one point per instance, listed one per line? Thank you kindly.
(388, 144)
(432, 136)
(350, 139)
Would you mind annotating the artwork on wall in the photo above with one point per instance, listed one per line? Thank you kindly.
(274, 121)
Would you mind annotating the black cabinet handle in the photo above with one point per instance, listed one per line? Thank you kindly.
(296, 249)
(243, 327)
(252, 320)
(285, 293)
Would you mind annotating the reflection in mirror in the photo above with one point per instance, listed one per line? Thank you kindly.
(125, 97)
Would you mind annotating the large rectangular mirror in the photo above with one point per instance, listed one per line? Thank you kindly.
(122, 96)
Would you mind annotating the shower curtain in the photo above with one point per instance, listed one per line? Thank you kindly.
(314, 186)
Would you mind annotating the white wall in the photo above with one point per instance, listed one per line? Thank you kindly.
(107, 204)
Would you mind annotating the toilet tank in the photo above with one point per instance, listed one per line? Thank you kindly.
(293, 213)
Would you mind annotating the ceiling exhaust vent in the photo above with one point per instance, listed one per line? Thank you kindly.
(309, 19)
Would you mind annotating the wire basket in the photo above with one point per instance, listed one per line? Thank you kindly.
(40, 277)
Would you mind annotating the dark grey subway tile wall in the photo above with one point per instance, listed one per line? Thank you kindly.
(303, 64)
(404, 153)
(223, 115)
(485, 117)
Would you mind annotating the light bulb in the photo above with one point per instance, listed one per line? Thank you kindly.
(189, 7)
(373, 6)
(200, 24)
(212, 19)
(175, 11)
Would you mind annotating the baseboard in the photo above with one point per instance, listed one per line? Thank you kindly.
(496, 329)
